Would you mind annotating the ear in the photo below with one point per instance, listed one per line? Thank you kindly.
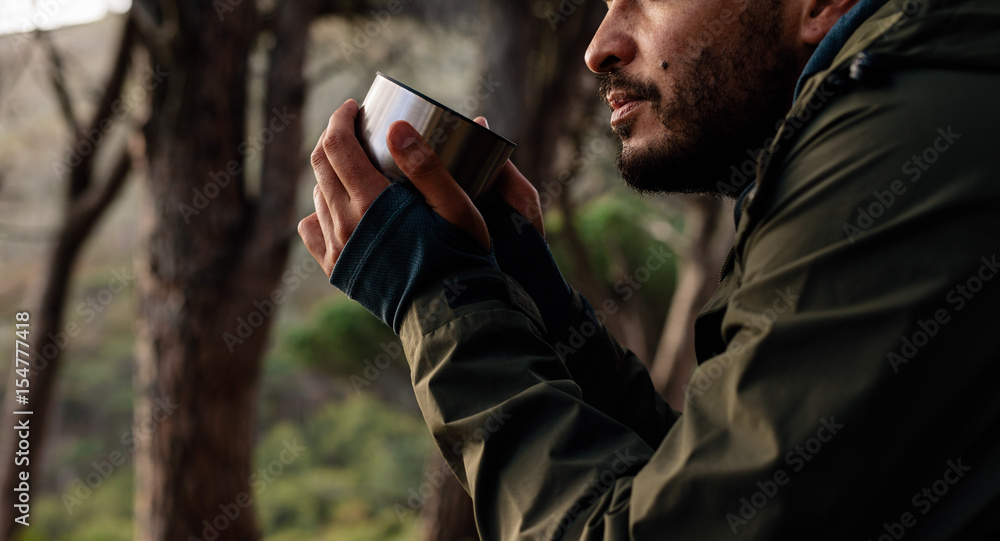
(819, 16)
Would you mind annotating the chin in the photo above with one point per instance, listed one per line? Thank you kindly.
(664, 166)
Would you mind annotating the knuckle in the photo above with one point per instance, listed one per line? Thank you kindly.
(333, 141)
(318, 157)
(532, 191)
(342, 227)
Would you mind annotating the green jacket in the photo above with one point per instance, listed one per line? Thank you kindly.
(847, 385)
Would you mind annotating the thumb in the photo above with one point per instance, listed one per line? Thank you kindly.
(422, 167)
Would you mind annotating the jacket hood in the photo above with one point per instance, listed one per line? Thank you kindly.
(949, 34)
(958, 34)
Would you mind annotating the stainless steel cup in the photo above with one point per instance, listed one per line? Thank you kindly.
(472, 154)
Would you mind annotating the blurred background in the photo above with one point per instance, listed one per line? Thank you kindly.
(193, 374)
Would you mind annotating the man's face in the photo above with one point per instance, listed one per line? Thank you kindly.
(693, 85)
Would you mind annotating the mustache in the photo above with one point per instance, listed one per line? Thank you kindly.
(616, 80)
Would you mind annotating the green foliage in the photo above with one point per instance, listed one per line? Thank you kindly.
(612, 229)
(384, 527)
(360, 459)
(103, 513)
(338, 337)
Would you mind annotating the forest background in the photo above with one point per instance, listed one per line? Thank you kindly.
(182, 337)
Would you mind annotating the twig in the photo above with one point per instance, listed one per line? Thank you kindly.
(57, 72)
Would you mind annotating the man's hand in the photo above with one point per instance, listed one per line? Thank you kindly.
(348, 183)
(517, 191)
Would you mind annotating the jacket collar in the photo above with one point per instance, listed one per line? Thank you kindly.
(834, 41)
(820, 60)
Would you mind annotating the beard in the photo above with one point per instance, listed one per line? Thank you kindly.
(725, 100)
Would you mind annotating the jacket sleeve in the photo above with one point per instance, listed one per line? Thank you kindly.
(611, 378)
(854, 375)
(506, 412)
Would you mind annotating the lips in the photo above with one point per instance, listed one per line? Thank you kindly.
(623, 104)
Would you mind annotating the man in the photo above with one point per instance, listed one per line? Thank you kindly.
(846, 386)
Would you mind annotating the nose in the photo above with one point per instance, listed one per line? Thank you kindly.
(612, 46)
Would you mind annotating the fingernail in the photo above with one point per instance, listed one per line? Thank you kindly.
(403, 137)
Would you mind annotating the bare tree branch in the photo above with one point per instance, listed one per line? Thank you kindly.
(283, 110)
(85, 206)
(102, 119)
(155, 38)
(57, 73)
(96, 200)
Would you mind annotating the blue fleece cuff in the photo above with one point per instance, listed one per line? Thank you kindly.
(400, 245)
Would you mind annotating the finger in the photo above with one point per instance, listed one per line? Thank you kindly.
(326, 177)
(312, 237)
(481, 120)
(323, 215)
(334, 237)
(517, 191)
(343, 150)
(419, 163)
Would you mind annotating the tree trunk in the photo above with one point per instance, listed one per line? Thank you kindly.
(708, 227)
(85, 204)
(207, 282)
(447, 513)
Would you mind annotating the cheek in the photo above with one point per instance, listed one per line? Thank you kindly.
(661, 31)
(695, 27)
(683, 59)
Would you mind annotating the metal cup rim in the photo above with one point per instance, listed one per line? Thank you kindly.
(447, 109)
